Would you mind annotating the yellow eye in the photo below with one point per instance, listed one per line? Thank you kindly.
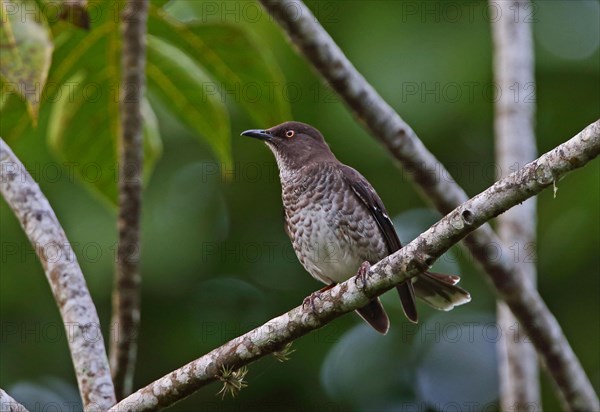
(290, 133)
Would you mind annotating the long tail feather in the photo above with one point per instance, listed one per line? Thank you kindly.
(440, 291)
(374, 314)
(407, 298)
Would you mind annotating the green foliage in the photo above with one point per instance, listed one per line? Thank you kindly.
(152, 141)
(187, 65)
(25, 53)
(93, 156)
(232, 58)
(177, 79)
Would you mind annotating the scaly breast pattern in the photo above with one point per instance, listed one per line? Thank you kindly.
(332, 231)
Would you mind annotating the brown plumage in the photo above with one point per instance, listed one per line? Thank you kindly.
(336, 221)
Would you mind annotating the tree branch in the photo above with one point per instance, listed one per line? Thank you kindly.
(409, 261)
(126, 293)
(68, 285)
(515, 146)
(387, 126)
(8, 404)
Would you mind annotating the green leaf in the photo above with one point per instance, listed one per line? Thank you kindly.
(152, 140)
(244, 71)
(74, 51)
(92, 51)
(83, 128)
(13, 114)
(25, 51)
(84, 136)
(181, 85)
(158, 3)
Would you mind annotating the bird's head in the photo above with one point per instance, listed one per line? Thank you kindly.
(294, 144)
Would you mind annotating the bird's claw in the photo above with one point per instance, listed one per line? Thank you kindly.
(309, 301)
(361, 275)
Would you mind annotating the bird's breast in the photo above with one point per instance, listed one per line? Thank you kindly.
(331, 231)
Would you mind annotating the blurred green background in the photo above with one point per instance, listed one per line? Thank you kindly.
(216, 261)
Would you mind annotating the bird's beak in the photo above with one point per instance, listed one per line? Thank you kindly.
(258, 134)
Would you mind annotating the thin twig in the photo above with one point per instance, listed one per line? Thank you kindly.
(387, 126)
(409, 261)
(126, 293)
(8, 404)
(68, 285)
(515, 146)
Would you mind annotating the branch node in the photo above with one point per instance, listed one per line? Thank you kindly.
(467, 216)
(429, 261)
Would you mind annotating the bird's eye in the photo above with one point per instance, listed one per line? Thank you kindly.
(290, 133)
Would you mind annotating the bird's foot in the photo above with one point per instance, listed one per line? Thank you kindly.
(361, 275)
(309, 301)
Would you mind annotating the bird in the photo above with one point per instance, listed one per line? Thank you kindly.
(338, 224)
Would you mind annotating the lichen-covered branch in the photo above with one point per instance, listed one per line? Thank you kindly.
(8, 404)
(126, 294)
(515, 146)
(409, 261)
(78, 312)
(380, 119)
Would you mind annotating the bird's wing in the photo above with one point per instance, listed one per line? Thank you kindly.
(365, 192)
(367, 195)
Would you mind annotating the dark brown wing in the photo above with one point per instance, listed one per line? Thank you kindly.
(365, 192)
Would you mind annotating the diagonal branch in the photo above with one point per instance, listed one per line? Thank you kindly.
(409, 261)
(126, 293)
(515, 146)
(387, 126)
(68, 285)
(8, 404)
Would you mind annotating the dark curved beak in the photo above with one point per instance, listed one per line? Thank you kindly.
(258, 134)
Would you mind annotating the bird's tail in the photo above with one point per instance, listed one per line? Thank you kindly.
(440, 291)
(374, 314)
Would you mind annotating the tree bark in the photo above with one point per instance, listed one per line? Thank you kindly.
(68, 285)
(8, 404)
(515, 146)
(126, 293)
